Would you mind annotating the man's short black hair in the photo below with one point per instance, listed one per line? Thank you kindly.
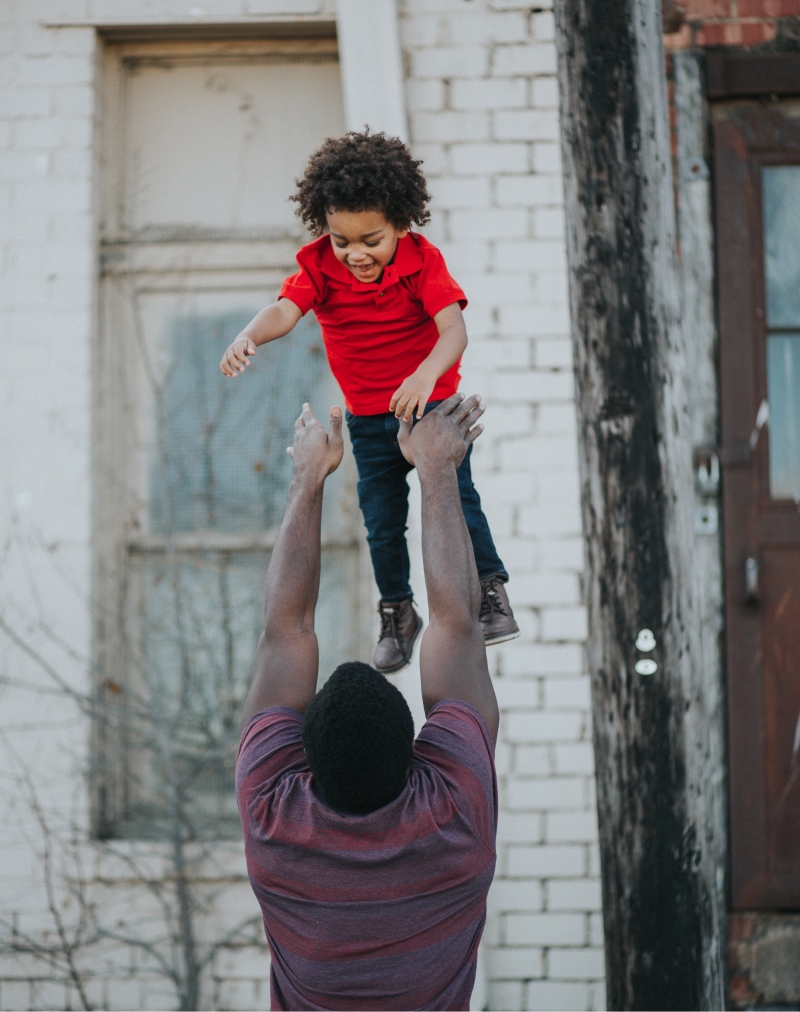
(359, 736)
(363, 172)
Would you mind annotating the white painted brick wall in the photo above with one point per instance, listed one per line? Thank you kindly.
(483, 110)
(47, 311)
(482, 102)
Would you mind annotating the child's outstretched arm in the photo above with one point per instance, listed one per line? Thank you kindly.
(416, 389)
(271, 323)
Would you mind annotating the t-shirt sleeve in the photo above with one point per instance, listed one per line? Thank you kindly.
(435, 286)
(303, 289)
(455, 740)
(271, 747)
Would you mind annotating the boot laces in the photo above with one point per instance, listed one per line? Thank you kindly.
(491, 601)
(390, 619)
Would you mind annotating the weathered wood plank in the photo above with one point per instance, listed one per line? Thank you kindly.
(706, 760)
(638, 503)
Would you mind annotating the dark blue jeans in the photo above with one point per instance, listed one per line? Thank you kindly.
(383, 498)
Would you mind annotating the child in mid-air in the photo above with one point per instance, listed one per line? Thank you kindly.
(390, 315)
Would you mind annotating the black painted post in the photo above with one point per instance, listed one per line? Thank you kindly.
(661, 908)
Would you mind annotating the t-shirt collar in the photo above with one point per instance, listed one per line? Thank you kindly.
(407, 260)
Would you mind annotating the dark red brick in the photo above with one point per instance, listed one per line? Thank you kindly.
(739, 989)
(761, 31)
(769, 8)
(701, 10)
(736, 33)
(739, 928)
(678, 40)
(713, 35)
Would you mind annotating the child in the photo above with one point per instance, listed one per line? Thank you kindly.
(390, 316)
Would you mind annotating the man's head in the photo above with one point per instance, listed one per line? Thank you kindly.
(359, 736)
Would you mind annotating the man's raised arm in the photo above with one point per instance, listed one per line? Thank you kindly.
(453, 653)
(287, 658)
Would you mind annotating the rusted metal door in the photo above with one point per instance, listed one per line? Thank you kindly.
(757, 163)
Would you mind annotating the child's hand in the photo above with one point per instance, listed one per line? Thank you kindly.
(235, 359)
(413, 392)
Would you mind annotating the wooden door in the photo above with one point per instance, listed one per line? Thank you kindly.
(757, 165)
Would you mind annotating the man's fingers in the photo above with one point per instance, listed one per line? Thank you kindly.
(308, 415)
(335, 423)
(468, 412)
(473, 434)
(299, 424)
(405, 427)
(290, 451)
(448, 407)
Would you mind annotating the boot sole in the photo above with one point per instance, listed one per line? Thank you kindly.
(406, 663)
(502, 638)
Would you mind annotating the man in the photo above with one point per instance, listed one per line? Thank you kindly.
(370, 853)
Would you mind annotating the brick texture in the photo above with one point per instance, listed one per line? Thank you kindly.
(503, 196)
(482, 101)
(731, 22)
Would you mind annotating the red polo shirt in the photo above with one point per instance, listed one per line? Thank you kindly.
(377, 334)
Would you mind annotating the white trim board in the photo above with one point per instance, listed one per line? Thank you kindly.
(372, 69)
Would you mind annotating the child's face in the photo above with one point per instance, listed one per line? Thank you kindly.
(364, 241)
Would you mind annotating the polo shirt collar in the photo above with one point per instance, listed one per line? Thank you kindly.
(407, 260)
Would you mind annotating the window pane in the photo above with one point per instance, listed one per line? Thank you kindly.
(219, 145)
(201, 617)
(781, 194)
(783, 380)
(219, 461)
(216, 463)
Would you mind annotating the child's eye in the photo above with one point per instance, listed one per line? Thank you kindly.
(342, 245)
(373, 243)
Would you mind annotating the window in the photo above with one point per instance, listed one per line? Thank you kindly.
(780, 186)
(202, 144)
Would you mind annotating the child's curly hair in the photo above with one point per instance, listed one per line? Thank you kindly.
(360, 172)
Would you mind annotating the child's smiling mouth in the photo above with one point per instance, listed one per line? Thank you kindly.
(364, 268)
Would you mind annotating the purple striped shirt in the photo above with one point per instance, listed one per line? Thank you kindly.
(378, 911)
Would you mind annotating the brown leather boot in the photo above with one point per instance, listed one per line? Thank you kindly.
(497, 618)
(400, 626)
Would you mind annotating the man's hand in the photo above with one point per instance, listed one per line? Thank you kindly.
(413, 392)
(444, 435)
(235, 359)
(316, 453)
(452, 660)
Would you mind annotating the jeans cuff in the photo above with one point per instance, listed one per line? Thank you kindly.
(499, 574)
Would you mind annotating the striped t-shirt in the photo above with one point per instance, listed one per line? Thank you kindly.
(378, 911)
